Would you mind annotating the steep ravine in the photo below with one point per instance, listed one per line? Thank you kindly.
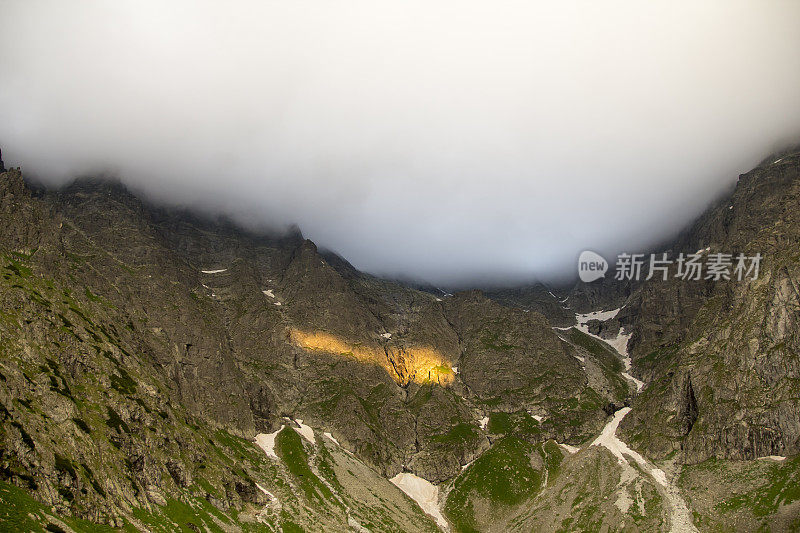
(679, 515)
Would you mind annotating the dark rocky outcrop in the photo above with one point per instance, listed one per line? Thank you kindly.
(143, 332)
(738, 340)
(687, 406)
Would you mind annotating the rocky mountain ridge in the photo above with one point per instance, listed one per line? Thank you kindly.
(146, 356)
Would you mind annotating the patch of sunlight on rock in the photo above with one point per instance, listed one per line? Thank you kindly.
(404, 364)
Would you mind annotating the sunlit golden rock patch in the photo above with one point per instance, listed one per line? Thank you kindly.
(405, 364)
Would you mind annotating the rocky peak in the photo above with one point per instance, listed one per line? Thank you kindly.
(13, 186)
(146, 350)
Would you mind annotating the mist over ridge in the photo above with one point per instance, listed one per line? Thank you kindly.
(458, 143)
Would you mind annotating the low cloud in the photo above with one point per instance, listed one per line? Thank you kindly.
(451, 141)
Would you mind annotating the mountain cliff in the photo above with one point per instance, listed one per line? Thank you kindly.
(164, 371)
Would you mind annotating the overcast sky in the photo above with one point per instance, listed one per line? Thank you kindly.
(446, 140)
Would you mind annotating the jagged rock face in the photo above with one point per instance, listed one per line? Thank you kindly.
(536, 298)
(511, 356)
(27, 219)
(142, 349)
(687, 406)
(658, 315)
(608, 329)
(733, 345)
(604, 293)
(123, 321)
(720, 358)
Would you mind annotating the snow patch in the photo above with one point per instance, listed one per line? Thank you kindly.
(773, 458)
(353, 524)
(266, 492)
(638, 382)
(455, 369)
(619, 343)
(425, 493)
(266, 441)
(269, 293)
(483, 422)
(538, 418)
(602, 316)
(278, 303)
(680, 519)
(336, 442)
(274, 505)
(214, 271)
(570, 449)
(328, 435)
(608, 439)
(306, 431)
(624, 501)
(386, 335)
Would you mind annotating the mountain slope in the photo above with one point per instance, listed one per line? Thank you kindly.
(162, 371)
(725, 356)
(144, 349)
